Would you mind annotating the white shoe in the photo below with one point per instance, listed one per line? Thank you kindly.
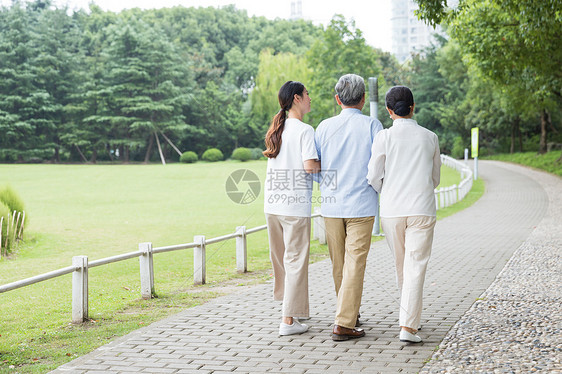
(406, 336)
(295, 328)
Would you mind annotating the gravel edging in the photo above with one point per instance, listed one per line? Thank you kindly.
(516, 325)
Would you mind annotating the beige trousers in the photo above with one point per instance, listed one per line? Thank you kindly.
(410, 240)
(289, 247)
(349, 241)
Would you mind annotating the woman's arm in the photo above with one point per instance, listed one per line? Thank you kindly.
(312, 166)
(375, 173)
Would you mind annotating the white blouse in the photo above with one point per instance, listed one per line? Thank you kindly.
(405, 168)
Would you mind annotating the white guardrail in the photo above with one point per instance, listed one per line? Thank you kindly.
(447, 196)
(443, 197)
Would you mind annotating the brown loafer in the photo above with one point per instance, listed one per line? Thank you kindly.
(340, 333)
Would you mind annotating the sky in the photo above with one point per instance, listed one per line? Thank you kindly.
(371, 17)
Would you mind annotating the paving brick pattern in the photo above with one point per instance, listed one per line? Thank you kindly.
(239, 332)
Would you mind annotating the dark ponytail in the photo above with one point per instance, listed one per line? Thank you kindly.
(286, 95)
(400, 100)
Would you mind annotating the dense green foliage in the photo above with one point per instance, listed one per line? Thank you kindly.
(242, 154)
(97, 85)
(103, 86)
(212, 155)
(513, 53)
(141, 84)
(257, 153)
(189, 157)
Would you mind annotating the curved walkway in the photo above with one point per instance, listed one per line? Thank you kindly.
(238, 332)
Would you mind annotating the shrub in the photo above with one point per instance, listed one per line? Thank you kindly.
(11, 199)
(189, 157)
(257, 154)
(242, 154)
(212, 155)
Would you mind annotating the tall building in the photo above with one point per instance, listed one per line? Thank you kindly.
(409, 35)
(296, 10)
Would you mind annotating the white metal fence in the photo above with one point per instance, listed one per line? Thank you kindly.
(80, 264)
(447, 196)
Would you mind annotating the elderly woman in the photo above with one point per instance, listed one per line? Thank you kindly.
(405, 168)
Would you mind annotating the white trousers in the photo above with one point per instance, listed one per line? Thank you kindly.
(410, 240)
(289, 248)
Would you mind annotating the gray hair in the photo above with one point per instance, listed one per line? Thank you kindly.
(350, 89)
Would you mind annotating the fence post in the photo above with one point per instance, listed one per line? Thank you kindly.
(146, 271)
(319, 227)
(241, 249)
(453, 194)
(441, 198)
(80, 289)
(199, 261)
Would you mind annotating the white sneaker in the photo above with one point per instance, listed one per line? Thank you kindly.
(295, 328)
(406, 336)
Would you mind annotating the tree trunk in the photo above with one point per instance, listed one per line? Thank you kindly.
(520, 139)
(56, 156)
(126, 154)
(160, 149)
(108, 149)
(545, 118)
(94, 158)
(81, 154)
(149, 149)
(514, 130)
(170, 142)
(512, 145)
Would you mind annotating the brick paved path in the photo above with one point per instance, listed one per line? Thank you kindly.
(238, 332)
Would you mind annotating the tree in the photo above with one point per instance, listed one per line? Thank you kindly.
(20, 99)
(341, 50)
(274, 71)
(513, 42)
(56, 60)
(140, 93)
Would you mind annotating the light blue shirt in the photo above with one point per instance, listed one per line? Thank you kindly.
(344, 146)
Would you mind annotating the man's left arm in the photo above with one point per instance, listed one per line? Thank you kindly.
(376, 126)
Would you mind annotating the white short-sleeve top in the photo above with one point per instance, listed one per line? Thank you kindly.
(288, 187)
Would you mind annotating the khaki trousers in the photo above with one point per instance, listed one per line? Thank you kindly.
(349, 241)
(410, 240)
(289, 246)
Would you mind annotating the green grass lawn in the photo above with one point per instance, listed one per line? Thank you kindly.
(548, 162)
(104, 210)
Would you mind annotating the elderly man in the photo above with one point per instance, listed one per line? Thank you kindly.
(349, 204)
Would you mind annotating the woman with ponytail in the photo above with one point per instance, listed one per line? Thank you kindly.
(291, 157)
(405, 168)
